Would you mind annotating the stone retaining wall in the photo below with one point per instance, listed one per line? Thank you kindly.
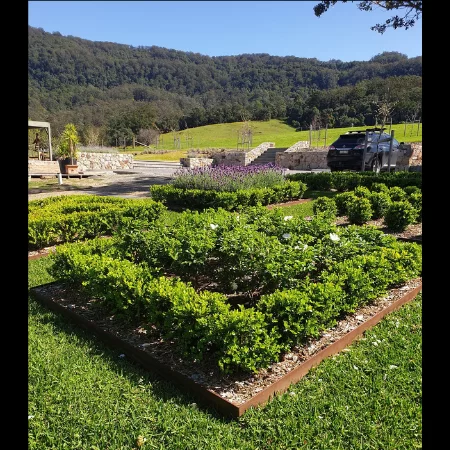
(196, 162)
(411, 158)
(302, 159)
(104, 161)
(297, 146)
(240, 158)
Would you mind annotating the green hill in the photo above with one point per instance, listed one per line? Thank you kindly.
(225, 135)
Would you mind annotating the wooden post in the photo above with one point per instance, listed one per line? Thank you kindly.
(310, 135)
(50, 143)
(390, 126)
(326, 130)
(134, 142)
(404, 132)
(363, 164)
(390, 150)
(418, 127)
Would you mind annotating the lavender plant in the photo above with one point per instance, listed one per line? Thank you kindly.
(229, 178)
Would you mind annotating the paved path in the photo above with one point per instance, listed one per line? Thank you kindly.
(122, 183)
(127, 185)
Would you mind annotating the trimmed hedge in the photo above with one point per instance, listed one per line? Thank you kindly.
(56, 220)
(231, 201)
(347, 181)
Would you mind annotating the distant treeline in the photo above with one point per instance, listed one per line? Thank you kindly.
(116, 90)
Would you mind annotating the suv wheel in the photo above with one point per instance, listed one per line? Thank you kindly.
(376, 166)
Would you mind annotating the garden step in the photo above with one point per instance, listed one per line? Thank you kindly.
(268, 156)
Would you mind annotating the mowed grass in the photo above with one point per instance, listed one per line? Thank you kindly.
(169, 155)
(83, 395)
(225, 135)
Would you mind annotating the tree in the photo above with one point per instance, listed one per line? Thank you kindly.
(68, 142)
(413, 12)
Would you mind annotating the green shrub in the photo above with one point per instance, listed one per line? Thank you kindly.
(379, 187)
(345, 181)
(244, 342)
(399, 215)
(416, 201)
(202, 199)
(359, 211)
(321, 181)
(380, 202)
(297, 315)
(397, 194)
(412, 190)
(362, 191)
(342, 201)
(325, 206)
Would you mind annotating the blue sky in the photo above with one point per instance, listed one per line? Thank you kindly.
(220, 28)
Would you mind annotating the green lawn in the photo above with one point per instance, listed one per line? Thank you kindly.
(225, 135)
(82, 395)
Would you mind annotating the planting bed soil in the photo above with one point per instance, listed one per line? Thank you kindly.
(233, 394)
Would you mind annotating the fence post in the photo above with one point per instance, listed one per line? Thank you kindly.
(390, 150)
(363, 164)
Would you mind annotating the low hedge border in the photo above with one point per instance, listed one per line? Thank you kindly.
(231, 201)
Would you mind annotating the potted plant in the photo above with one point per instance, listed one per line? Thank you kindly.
(67, 149)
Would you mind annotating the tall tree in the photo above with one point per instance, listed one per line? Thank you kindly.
(412, 12)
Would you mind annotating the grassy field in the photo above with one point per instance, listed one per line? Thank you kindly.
(225, 135)
(82, 395)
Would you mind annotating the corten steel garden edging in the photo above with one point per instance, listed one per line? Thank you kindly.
(405, 239)
(205, 396)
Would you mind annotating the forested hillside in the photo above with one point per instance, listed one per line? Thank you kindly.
(115, 90)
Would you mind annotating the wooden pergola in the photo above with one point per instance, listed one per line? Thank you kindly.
(32, 124)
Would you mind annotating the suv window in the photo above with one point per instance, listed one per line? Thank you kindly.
(349, 140)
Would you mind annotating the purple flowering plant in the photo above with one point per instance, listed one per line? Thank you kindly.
(229, 178)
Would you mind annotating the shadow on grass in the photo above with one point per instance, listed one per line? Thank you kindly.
(315, 194)
(161, 389)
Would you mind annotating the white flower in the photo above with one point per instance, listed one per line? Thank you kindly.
(286, 235)
(30, 417)
(296, 247)
(305, 247)
(356, 367)
(286, 218)
(213, 226)
(334, 237)
(234, 286)
(393, 367)
(237, 217)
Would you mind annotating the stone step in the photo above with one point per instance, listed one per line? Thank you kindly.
(156, 164)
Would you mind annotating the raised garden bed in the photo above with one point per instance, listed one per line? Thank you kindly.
(231, 395)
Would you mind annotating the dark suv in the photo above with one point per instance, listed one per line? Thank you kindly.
(346, 152)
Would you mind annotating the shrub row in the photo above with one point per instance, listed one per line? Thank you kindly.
(398, 207)
(347, 181)
(72, 218)
(202, 199)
